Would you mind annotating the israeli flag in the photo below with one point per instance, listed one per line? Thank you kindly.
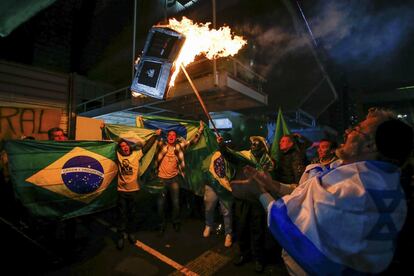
(345, 221)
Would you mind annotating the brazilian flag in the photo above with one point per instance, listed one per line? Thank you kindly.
(61, 180)
(133, 135)
(220, 173)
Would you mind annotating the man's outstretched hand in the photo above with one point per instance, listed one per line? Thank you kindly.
(255, 184)
(248, 188)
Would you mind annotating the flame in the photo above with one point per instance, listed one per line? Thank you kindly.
(200, 39)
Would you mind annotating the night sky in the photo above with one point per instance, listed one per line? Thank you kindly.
(364, 46)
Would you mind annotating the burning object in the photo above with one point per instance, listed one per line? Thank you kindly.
(153, 70)
(170, 48)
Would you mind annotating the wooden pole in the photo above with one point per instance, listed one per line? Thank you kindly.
(200, 100)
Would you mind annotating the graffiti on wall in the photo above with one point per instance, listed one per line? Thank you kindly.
(16, 122)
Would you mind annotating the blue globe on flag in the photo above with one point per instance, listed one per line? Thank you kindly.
(82, 174)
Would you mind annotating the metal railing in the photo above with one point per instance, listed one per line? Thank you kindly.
(106, 99)
(232, 66)
(196, 69)
(247, 75)
(301, 118)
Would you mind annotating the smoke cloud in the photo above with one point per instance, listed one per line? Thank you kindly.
(358, 32)
(353, 32)
(270, 45)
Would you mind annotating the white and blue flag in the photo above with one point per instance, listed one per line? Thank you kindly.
(345, 221)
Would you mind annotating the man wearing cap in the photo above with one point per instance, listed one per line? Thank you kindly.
(250, 216)
(346, 220)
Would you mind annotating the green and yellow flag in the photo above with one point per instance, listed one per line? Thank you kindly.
(280, 130)
(61, 180)
(135, 135)
(220, 174)
(196, 157)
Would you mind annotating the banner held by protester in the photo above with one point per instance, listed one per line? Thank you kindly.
(195, 157)
(61, 180)
(280, 130)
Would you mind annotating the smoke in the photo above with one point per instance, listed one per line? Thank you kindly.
(357, 32)
(270, 45)
(352, 32)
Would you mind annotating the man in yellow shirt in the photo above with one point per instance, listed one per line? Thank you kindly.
(171, 164)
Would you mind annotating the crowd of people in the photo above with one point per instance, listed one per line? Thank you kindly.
(326, 216)
(350, 179)
(336, 220)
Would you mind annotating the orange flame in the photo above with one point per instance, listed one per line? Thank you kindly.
(200, 39)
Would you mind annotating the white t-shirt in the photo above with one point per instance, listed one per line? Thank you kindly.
(128, 167)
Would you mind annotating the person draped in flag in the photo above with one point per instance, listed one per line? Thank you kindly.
(346, 220)
(250, 216)
(217, 190)
(326, 160)
(326, 152)
(128, 186)
(171, 164)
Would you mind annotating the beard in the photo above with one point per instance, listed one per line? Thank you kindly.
(348, 153)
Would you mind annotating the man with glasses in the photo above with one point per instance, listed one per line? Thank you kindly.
(346, 220)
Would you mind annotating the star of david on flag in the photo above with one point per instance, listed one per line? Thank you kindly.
(343, 222)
